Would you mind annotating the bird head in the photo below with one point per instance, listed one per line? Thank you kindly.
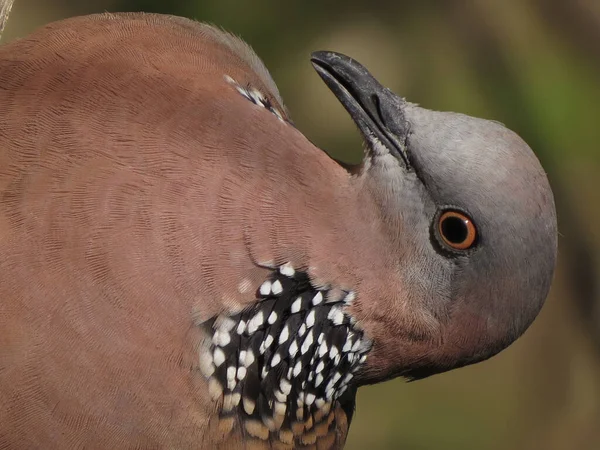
(470, 218)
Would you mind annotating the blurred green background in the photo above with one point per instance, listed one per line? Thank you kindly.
(531, 64)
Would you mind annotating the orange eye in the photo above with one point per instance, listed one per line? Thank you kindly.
(457, 230)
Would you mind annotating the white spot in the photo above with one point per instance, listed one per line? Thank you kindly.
(336, 315)
(347, 378)
(363, 358)
(349, 298)
(296, 305)
(225, 338)
(341, 390)
(310, 376)
(242, 356)
(272, 318)
(225, 323)
(287, 270)
(269, 422)
(310, 398)
(236, 398)
(256, 96)
(206, 364)
(244, 92)
(300, 400)
(229, 79)
(321, 338)
(319, 403)
(302, 330)
(249, 405)
(227, 402)
(241, 373)
(278, 114)
(285, 386)
(336, 377)
(297, 368)
(329, 393)
(285, 334)
(351, 358)
(322, 349)
(231, 384)
(231, 373)
(336, 360)
(221, 338)
(289, 373)
(249, 359)
(293, 349)
(318, 380)
(310, 319)
(320, 367)
(303, 385)
(280, 396)
(280, 408)
(276, 287)
(356, 345)
(264, 372)
(317, 299)
(333, 352)
(275, 360)
(265, 288)
(347, 346)
(268, 341)
(241, 327)
(329, 386)
(307, 343)
(255, 322)
(219, 357)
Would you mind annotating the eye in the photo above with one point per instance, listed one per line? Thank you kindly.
(457, 230)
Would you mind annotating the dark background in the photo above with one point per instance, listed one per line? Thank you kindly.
(532, 64)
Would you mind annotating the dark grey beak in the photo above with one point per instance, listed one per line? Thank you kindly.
(375, 109)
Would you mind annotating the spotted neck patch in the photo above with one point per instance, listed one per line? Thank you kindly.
(282, 364)
(256, 97)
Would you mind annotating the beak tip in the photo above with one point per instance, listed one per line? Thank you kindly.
(317, 54)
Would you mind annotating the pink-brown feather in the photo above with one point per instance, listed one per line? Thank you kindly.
(139, 189)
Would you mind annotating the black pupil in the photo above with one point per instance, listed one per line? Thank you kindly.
(455, 230)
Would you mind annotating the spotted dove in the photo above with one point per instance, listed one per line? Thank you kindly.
(180, 267)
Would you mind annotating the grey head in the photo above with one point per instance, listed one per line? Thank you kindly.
(470, 218)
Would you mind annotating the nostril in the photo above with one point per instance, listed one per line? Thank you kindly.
(377, 103)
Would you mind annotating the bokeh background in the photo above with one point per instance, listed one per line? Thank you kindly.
(532, 64)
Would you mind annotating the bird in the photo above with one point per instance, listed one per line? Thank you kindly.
(181, 267)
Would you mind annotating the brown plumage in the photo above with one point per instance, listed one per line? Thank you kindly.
(151, 182)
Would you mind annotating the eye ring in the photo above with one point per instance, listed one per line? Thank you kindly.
(456, 230)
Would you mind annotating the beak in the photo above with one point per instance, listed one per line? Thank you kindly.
(367, 102)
